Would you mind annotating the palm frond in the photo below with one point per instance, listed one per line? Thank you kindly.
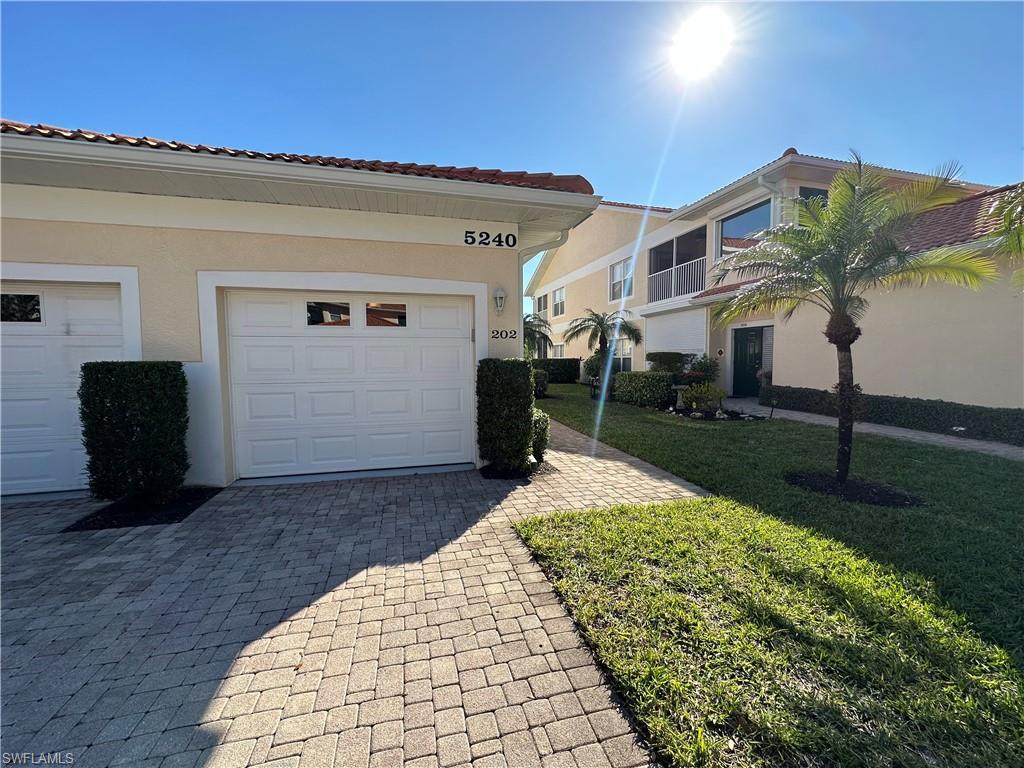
(962, 266)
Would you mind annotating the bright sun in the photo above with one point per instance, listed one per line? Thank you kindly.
(701, 43)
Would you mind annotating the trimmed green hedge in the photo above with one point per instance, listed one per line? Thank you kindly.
(540, 383)
(134, 421)
(1003, 424)
(650, 389)
(560, 370)
(504, 413)
(671, 362)
(541, 433)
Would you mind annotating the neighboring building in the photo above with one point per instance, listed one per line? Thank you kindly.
(329, 311)
(936, 342)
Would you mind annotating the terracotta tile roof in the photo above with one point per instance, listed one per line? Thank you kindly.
(960, 222)
(548, 181)
(728, 288)
(636, 206)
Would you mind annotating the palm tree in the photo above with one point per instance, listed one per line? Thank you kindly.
(1009, 212)
(536, 332)
(601, 328)
(838, 253)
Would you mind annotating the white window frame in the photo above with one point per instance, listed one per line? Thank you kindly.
(558, 350)
(617, 351)
(537, 309)
(555, 302)
(630, 275)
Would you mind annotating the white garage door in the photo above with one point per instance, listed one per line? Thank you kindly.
(49, 330)
(339, 382)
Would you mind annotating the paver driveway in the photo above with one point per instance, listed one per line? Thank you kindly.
(348, 623)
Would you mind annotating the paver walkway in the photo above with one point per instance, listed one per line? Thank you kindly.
(990, 447)
(364, 622)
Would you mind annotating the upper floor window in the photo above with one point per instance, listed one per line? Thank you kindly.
(736, 232)
(808, 192)
(540, 305)
(558, 302)
(673, 253)
(620, 279)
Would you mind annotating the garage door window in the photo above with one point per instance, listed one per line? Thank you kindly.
(20, 308)
(327, 313)
(385, 315)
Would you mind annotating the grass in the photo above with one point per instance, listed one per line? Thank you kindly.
(740, 640)
(965, 545)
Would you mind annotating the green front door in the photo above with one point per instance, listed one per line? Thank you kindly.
(747, 344)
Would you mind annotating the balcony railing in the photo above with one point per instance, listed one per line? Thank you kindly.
(682, 280)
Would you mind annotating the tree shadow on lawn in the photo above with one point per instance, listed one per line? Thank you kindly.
(127, 644)
(907, 677)
(967, 540)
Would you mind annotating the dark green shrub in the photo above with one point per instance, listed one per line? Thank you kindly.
(540, 383)
(979, 422)
(504, 413)
(541, 433)
(706, 398)
(560, 370)
(134, 420)
(650, 389)
(669, 362)
(706, 365)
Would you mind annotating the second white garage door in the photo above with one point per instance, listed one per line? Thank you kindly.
(340, 382)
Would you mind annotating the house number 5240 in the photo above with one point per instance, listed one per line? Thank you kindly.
(500, 240)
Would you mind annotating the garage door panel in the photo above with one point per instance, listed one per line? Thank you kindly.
(41, 361)
(329, 398)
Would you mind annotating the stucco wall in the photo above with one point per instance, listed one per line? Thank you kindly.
(168, 260)
(937, 342)
(605, 230)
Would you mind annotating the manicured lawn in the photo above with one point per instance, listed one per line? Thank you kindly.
(740, 640)
(964, 548)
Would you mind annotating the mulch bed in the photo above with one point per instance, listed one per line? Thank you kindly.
(858, 491)
(124, 514)
(539, 470)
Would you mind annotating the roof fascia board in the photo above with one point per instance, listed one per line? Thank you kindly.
(139, 158)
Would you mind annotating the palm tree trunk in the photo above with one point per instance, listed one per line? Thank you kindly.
(844, 396)
(843, 331)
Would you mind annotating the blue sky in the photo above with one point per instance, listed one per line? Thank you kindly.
(571, 88)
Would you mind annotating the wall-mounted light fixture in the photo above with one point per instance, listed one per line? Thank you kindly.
(499, 300)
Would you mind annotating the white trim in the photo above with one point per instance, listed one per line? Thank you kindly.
(140, 158)
(208, 415)
(127, 279)
(553, 302)
(728, 346)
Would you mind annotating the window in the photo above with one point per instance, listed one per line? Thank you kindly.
(684, 249)
(540, 305)
(20, 308)
(558, 350)
(808, 192)
(620, 279)
(737, 231)
(327, 313)
(622, 356)
(385, 315)
(558, 302)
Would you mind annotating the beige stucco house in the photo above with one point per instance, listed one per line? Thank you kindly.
(330, 312)
(936, 342)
